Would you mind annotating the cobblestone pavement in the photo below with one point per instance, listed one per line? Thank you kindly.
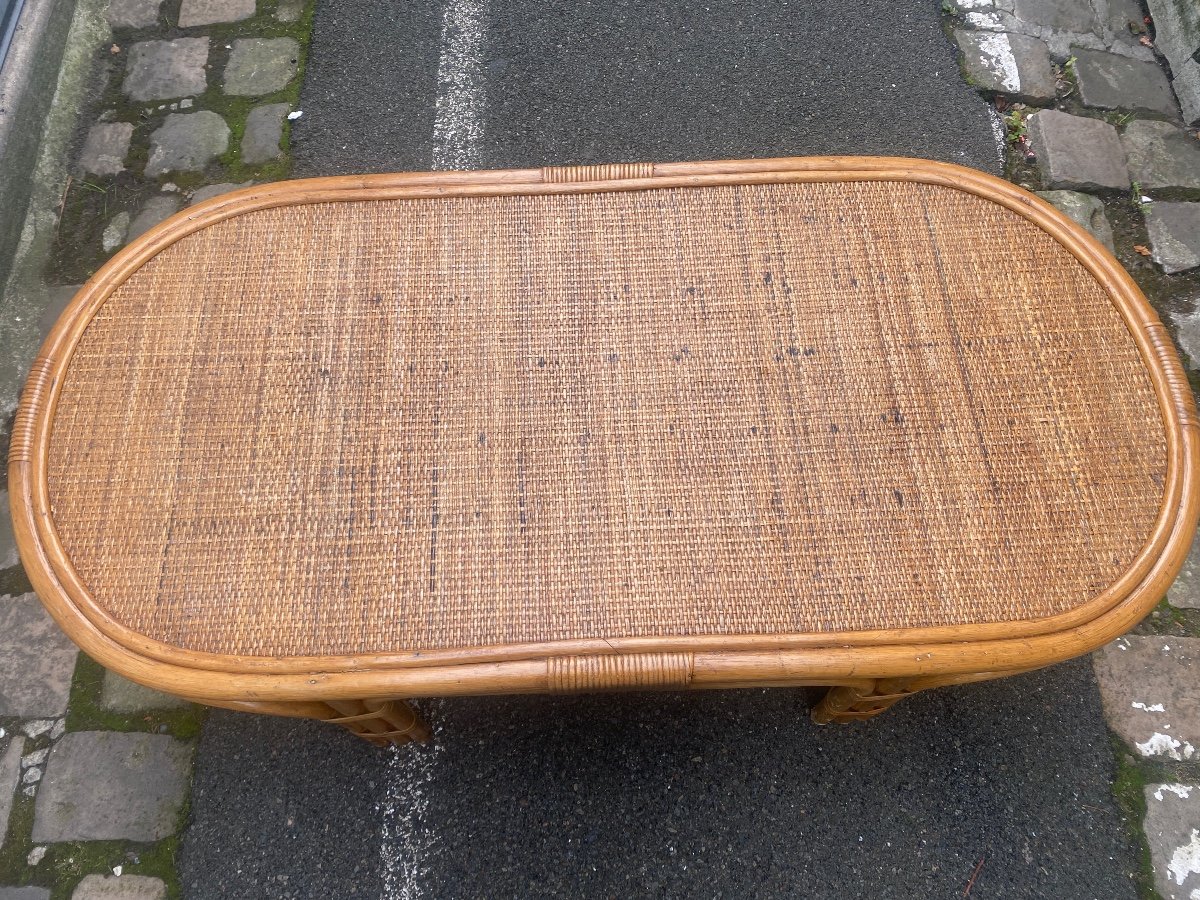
(1101, 101)
(188, 99)
(1096, 104)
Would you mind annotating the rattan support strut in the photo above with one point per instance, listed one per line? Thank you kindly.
(844, 704)
(379, 722)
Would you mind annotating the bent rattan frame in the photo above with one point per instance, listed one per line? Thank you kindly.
(874, 667)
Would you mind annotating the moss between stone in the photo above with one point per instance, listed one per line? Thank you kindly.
(235, 110)
(1170, 295)
(1171, 195)
(87, 208)
(304, 27)
(1068, 72)
(1129, 789)
(14, 869)
(78, 250)
(86, 211)
(1133, 773)
(66, 863)
(1170, 621)
(85, 713)
(1114, 117)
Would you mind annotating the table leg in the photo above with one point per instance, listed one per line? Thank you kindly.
(380, 722)
(849, 704)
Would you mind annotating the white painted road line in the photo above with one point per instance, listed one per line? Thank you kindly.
(999, 58)
(458, 121)
(406, 838)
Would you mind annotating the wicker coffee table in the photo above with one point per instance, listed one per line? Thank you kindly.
(311, 448)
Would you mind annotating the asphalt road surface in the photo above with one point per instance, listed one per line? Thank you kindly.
(595, 81)
(1002, 787)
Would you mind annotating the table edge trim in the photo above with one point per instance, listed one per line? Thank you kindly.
(942, 649)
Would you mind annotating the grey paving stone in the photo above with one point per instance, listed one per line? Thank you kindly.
(289, 10)
(8, 544)
(1186, 82)
(1061, 15)
(1174, 235)
(1172, 829)
(1109, 81)
(215, 190)
(36, 660)
(37, 727)
(105, 148)
(163, 70)
(115, 231)
(1161, 155)
(28, 892)
(106, 785)
(122, 695)
(1077, 153)
(187, 142)
(260, 66)
(1085, 209)
(1187, 585)
(264, 132)
(1116, 16)
(1151, 692)
(210, 12)
(153, 211)
(125, 887)
(132, 13)
(10, 775)
(1011, 64)
(1176, 30)
(984, 17)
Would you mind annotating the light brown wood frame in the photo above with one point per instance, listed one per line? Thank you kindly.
(872, 668)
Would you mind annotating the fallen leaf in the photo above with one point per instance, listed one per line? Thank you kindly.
(1138, 248)
(1145, 41)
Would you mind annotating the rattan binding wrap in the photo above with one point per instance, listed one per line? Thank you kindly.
(611, 172)
(671, 410)
(665, 671)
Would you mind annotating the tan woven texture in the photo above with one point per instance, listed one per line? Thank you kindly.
(417, 424)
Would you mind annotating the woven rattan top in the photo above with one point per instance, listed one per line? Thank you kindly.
(376, 425)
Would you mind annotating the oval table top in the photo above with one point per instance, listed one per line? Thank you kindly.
(366, 426)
